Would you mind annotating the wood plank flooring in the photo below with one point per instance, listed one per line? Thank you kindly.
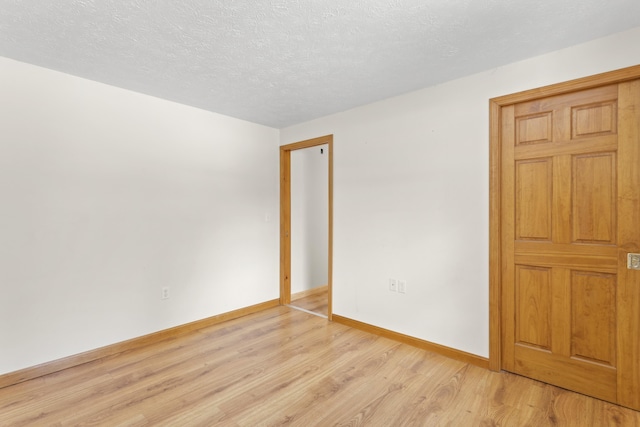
(317, 303)
(286, 367)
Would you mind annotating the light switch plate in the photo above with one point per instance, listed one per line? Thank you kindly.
(402, 286)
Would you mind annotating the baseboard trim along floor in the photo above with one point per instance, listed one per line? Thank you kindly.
(16, 377)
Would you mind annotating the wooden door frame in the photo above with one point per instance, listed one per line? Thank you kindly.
(495, 194)
(285, 217)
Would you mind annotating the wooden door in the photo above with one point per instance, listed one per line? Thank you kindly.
(570, 213)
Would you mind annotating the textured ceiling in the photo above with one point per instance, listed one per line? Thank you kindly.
(281, 62)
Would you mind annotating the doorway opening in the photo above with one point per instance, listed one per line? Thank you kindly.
(306, 233)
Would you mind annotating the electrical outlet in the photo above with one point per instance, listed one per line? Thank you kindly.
(393, 285)
(165, 293)
(402, 286)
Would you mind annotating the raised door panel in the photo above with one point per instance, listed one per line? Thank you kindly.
(593, 317)
(534, 129)
(594, 198)
(595, 119)
(534, 191)
(533, 306)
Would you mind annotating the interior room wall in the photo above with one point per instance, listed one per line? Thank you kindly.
(309, 218)
(411, 192)
(107, 197)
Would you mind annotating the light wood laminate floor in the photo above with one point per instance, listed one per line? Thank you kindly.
(316, 303)
(287, 367)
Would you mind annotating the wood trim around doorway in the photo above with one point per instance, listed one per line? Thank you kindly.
(495, 194)
(285, 216)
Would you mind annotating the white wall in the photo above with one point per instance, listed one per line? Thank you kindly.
(309, 218)
(411, 195)
(107, 196)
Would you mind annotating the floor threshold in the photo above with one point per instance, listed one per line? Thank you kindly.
(306, 311)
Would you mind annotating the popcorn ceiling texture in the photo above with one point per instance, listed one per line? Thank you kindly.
(282, 62)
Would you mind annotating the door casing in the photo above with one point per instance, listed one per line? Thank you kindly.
(285, 216)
